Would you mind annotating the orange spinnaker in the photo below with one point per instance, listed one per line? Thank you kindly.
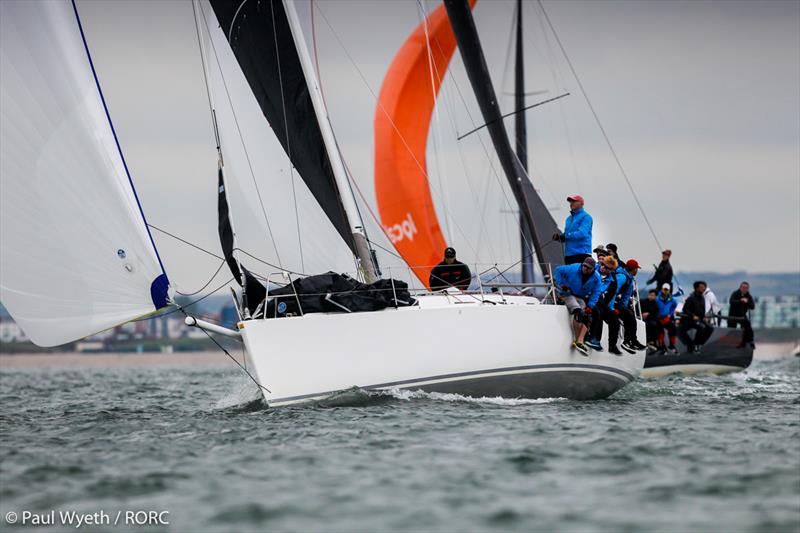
(402, 123)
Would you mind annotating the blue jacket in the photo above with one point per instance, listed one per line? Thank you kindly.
(610, 286)
(666, 307)
(572, 277)
(625, 290)
(578, 233)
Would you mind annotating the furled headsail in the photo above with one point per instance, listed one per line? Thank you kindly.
(532, 208)
(77, 255)
(402, 124)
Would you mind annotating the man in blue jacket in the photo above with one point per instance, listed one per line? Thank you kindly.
(579, 287)
(610, 282)
(629, 343)
(666, 318)
(577, 236)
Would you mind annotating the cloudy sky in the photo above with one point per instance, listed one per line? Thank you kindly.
(700, 99)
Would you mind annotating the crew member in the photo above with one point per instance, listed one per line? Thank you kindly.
(579, 287)
(741, 303)
(663, 273)
(605, 310)
(694, 309)
(650, 317)
(450, 273)
(666, 319)
(600, 253)
(577, 236)
(712, 306)
(629, 343)
(612, 251)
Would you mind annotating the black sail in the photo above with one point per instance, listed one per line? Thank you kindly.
(531, 206)
(254, 291)
(259, 34)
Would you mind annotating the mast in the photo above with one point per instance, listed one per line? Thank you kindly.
(362, 249)
(532, 208)
(521, 133)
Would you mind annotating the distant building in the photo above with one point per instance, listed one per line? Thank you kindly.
(11, 332)
(776, 312)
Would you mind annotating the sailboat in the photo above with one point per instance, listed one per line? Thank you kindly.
(80, 257)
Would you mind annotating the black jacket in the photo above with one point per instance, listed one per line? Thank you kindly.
(650, 307)
(695, 304)
(663, 274)
(455, 275)
(738, 308)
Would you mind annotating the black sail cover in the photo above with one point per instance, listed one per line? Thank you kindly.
(259, 34)
(531, 206)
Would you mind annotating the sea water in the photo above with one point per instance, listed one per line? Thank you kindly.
(194, 449)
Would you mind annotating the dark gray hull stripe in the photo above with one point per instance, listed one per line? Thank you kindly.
(621, 373)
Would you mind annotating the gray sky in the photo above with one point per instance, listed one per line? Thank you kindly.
(701, 101)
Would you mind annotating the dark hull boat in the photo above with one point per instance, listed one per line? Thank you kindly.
(719, 355)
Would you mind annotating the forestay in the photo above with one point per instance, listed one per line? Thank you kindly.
(77, 255)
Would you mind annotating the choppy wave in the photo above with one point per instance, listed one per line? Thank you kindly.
(679, 453)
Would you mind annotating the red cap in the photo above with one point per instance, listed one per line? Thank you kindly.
(631, 264)
(575, 198)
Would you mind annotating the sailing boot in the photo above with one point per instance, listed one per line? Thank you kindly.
(626, 345)
(613, 349)
(581, 348)
(594, 344)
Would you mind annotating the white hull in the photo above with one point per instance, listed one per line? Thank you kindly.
(514, 347)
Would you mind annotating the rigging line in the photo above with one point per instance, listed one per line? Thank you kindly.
(441, 178)
(201, 289)
(388, 251)
(558, 79)
(447, 97)
(386, 113)
(181, 307)
(602, 129)
(232, 358)
(510, 113)
(492, 168)
(212, 254)
(286, 132)
(184, 241)
(205, 76)
(239, 131)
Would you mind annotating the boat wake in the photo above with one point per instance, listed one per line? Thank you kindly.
(244, 396)
(408, 395)
(356, 397)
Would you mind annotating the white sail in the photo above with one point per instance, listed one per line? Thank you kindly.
(263, 188)
(77, 257)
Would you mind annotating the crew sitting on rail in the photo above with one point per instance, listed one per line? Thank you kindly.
(666, 318)
(579, 287)
(650, 317)
(629, 343)
(611, 281)
(577, 236)
(450, 273)
(694, 309)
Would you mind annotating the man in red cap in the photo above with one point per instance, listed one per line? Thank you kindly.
(630, 343)
(577, 236)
